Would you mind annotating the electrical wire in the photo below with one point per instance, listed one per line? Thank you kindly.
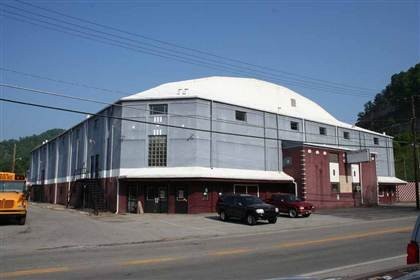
(189, 48)
(170, 125)
(37, 91)
(109, 91)
(152, 51)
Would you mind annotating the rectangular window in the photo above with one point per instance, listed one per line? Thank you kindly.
(97, 166)
(376, 140)
(92, 166)
(158, 109)
(346, 135)
(287, 161)
(240, 116)
(293, 102)
(333, 157)
(335, 187)
(96, 124)
(157, 150)
(151, 193)
(322, 130)
(294, 125)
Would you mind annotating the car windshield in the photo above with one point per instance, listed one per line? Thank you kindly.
(11, 186)
(249, 200)
(291, 198)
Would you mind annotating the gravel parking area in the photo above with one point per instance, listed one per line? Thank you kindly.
(52, 227)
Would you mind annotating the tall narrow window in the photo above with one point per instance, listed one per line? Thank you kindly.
(157, 150)
(346, 135)
(294, 125)
(293, 102)
(96, 124)
(158, 109)
(322, 130)
(96, 166)
(376, 140)
(240, 116)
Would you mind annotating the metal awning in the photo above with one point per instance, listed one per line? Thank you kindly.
(203, 172)
(390, 180)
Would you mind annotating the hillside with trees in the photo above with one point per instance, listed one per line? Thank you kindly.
(24, 146)
(391, 112)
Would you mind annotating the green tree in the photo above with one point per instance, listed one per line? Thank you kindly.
(390, 112)
(24, 146)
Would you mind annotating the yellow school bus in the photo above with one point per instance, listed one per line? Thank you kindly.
(13, 196)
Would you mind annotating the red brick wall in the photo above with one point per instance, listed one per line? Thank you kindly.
(62, 190)
(318, 185)
(369, 183)
(110, 193)
(296, 169)
(196, 204)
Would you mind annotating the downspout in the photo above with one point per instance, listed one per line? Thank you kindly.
(337, 136)
(361, 182)
(296, 192)
(265, 145)
(118, 196)
(56, 169)
(69, 163)
(278, 146)
(304, 130)
(211, 134)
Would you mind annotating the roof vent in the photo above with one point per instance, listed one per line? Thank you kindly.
(293, 102)
(182, 91)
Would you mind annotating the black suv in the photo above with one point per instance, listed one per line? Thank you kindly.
(245, 207)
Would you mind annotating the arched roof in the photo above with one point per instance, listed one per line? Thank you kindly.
(246, 92)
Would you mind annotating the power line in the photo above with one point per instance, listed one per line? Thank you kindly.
(159, 53)
(155, 52)
(189, 48)
(116, 92)
(167, 125)
(37, 91)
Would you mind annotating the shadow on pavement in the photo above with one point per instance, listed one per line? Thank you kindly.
(234, 221)
(371, 213)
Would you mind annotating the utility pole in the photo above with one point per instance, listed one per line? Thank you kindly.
(14, 158)
(416, 165)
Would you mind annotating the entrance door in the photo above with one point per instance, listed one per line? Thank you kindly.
(163, 200)
(181, 200)
(357, 196)
(156, 199)
(132, 198)
(240, 189)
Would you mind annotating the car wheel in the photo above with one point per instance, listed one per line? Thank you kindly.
(223, 216)
(293, 213)
(272, 220)
(250, 220)
(22, 220)
(306, 215)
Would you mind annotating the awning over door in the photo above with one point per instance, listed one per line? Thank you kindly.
(204, 172)
(390, 180)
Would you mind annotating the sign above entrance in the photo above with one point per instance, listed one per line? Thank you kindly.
(358, 156)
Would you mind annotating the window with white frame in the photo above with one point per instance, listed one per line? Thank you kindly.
(246, 189)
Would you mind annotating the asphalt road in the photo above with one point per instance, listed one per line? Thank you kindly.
(347, 249)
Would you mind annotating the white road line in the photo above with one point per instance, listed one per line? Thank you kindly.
(352, 266)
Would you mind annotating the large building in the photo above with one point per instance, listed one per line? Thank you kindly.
(174, 148)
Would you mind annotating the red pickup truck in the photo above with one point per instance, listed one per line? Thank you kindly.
(290, 204)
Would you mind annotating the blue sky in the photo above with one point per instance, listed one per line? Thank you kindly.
(360, 43)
